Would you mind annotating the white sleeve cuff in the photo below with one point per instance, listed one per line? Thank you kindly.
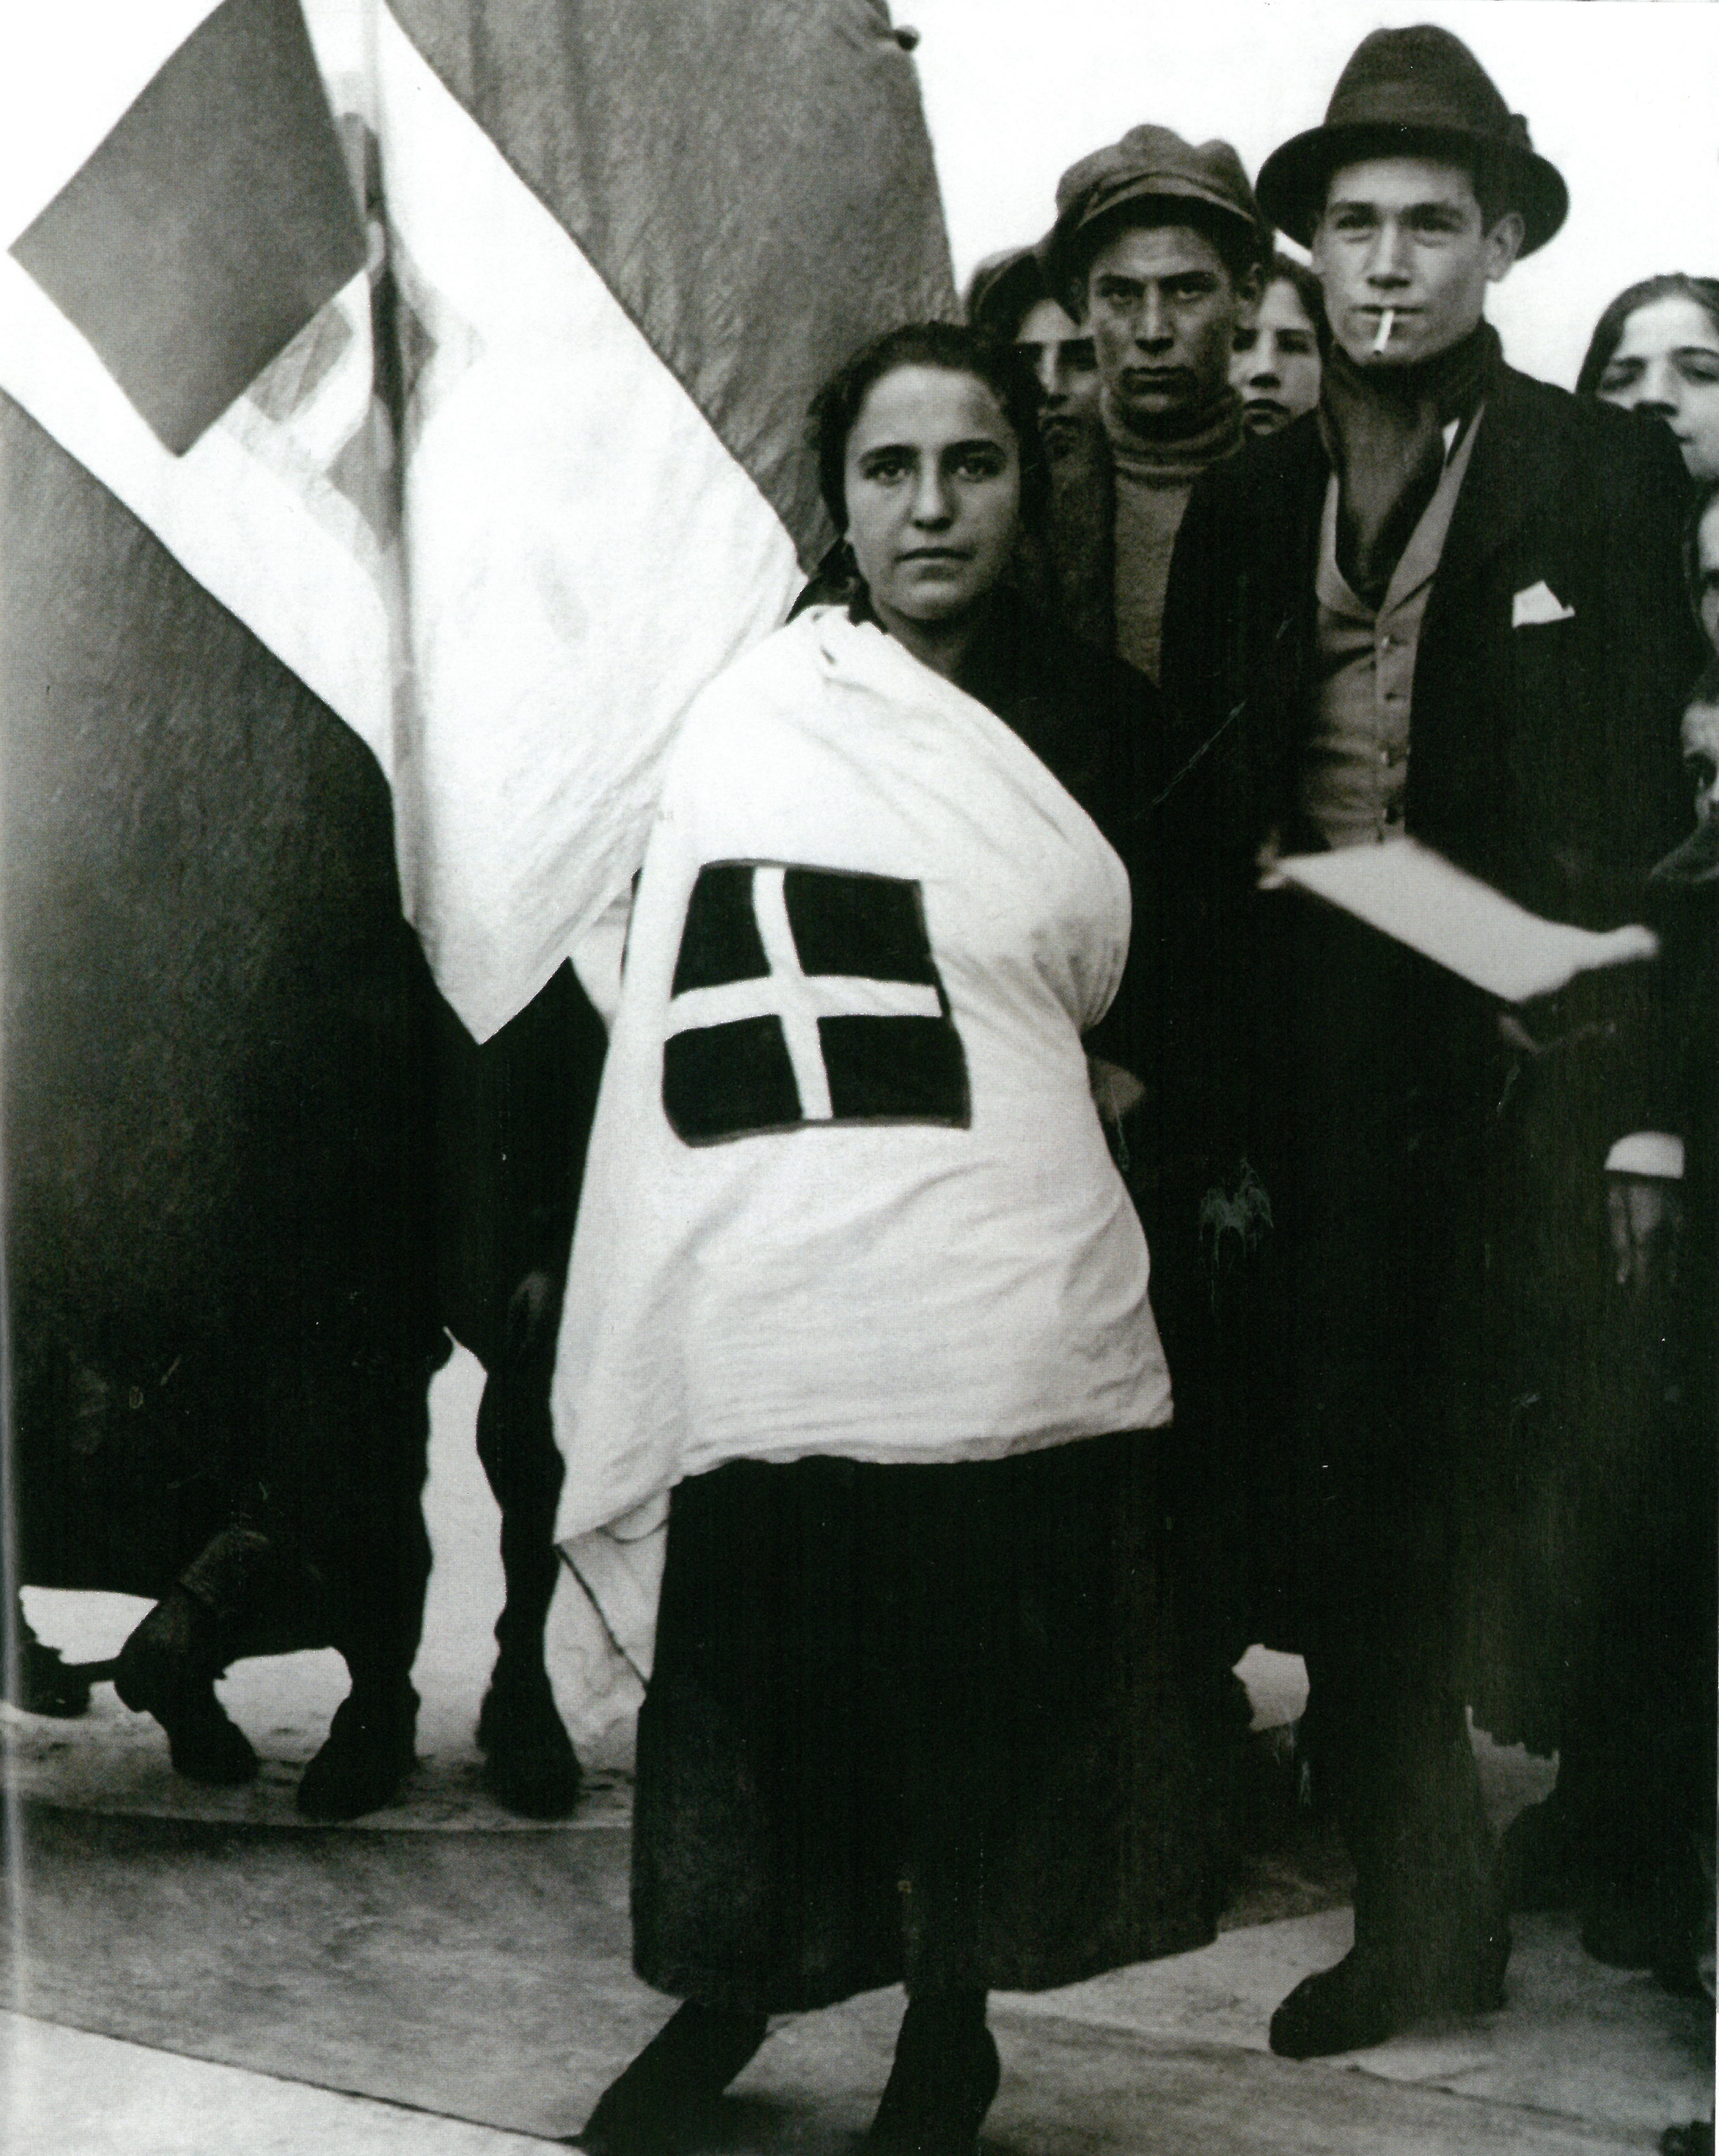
(1647, 1152)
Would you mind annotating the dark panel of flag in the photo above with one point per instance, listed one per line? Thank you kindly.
(752, 179)
(720, 941)
(895, 1070)
(210, 225)
(213, 1183)
(728, 1081)
(870, 925)
(735, 1078)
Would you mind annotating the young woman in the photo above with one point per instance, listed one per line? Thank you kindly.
(1656, 349)
(857, 1279)
(1275, 366)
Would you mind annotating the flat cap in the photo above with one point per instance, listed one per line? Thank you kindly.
(1106, 190)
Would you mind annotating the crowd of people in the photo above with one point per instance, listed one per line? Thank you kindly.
(967, 966)
(1037, 1251)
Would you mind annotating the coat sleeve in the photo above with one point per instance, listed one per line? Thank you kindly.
(1649, 655)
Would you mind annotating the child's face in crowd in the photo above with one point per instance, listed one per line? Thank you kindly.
(1707, 573)
(1700, 758)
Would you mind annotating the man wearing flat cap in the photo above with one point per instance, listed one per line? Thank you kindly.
(1158, 249)
(1445, 606)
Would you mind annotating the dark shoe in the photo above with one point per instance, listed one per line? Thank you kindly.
(1349, 2008)
(1539, 1866)
(1372, 1995)
(367, 1755)
(662, 2104)
(1658, 1919)
(1619, 1925)
(938, 2092)
(46, 1684)
(204, 1744)
(530, 1763)
(167, 1668)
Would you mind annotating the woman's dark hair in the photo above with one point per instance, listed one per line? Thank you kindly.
(954, 348)
(1608, 330)
(1309, 293)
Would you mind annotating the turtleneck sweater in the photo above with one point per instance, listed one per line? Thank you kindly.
(1155, 472)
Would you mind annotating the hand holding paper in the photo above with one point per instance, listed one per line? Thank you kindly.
(1410, 893)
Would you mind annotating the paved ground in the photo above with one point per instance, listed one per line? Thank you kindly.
(195, 1972)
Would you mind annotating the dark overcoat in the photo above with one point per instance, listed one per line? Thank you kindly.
(1425, 1306)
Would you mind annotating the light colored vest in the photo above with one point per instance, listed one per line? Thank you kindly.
(1355, 767)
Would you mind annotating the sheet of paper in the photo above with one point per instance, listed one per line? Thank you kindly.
(1415, 895)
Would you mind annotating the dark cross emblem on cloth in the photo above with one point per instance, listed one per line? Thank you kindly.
(806, 996)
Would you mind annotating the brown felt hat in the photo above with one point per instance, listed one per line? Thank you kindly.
(1112, 187)
(1408, 93)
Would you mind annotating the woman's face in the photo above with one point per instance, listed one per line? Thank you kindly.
(1707, 573)
(1667, 361)
(933, 480)
(1276, 363)
(1060, 355)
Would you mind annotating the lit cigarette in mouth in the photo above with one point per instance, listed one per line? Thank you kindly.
(1387, 323)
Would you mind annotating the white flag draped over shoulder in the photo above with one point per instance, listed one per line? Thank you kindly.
(462, 352)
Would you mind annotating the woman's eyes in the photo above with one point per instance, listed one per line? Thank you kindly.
(1694, 367)
(983, 460)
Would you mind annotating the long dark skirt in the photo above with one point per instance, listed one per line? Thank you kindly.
(919, 1723)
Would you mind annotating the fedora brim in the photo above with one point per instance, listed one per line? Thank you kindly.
(1292, 180)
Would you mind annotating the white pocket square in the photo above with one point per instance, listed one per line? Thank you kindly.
(1538, 603)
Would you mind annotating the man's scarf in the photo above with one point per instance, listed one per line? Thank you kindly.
(1384, 428)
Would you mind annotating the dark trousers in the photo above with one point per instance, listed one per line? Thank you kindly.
(1362, 1361)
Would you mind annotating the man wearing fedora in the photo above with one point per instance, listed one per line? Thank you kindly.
(1158, 250)
(1443, 605)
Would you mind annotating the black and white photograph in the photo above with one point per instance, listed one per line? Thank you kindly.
(858, 1077)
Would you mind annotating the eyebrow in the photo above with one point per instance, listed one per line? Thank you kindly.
(1677, 351)
(1354, 205)
(941, 448)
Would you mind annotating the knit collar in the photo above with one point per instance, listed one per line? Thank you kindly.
(1182, 446)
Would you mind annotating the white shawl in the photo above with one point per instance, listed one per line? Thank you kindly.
(847, 1191)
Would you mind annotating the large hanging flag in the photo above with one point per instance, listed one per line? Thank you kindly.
(462, 352)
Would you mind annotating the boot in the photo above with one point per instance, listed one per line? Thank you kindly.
(167, 1668)
(530, 1764)
(1386, 1982)
(663, 2103)
(367, 1754)
(46, 1684)
(945, 2076)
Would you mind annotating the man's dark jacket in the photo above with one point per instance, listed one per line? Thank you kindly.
(1543, 758)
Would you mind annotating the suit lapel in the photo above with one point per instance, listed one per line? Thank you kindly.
(1513, 467)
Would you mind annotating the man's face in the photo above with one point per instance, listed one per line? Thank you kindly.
(1403, 236)
(1707, 573)
(1162, 309)
(1060, 352)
